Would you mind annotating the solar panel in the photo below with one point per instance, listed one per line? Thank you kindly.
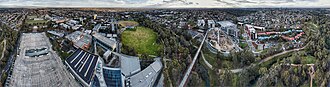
(82, 63)
(74, 54)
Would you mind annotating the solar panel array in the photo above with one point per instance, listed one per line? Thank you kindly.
(112, 78)
(83, 64)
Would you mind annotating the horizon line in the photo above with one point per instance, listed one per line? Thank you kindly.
(28, 7)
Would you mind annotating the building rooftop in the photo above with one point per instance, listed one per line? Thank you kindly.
(56, 33)
(129, 65)
(250, 27)
(147, 77)
(226, 23)
(210, 21)
(109, 42)
(80, 40)
(83, 65)
(97, 27)
(35, 70)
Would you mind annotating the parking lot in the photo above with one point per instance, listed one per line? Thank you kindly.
(44, 70)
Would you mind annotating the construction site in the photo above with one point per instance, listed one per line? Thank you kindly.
(219, 41)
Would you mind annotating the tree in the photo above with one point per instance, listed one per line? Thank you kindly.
(225, 76)
(263, 70)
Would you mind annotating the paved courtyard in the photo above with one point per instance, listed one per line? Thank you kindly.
(38, 65)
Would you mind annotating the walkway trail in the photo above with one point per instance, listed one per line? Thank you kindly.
(4, 48)
(206, 62)
(265, 59)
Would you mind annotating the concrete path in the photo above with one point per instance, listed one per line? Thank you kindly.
(4, 48)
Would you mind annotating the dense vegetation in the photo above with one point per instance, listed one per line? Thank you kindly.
(8, 39)
(176, 50)
(274, 72)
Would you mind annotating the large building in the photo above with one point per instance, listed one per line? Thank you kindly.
(134, 76)
(107, 43)
(97, 27)
(211, 23)
(80, 39)
(229, 27)
(147, 77)
(37, 65)
(251, 31)
(82, 65)
(91, 71)
(113, 77)
(129, 64)
(200, 23)
(107, 77)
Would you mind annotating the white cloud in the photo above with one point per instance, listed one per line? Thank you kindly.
(166, 3)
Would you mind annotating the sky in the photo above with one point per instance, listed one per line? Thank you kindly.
(169, 3)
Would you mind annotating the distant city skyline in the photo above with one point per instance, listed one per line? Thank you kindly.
(169, 3)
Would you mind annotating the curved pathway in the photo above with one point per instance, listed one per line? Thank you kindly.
(278, 54)
(187, 73)
(206, 62)
(4, 48)
(265, 59)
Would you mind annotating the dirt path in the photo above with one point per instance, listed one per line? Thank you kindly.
(265, 59)
(206, 62)
(4, 48)
(284, 52)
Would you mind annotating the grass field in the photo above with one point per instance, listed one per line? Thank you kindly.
(142, 39)
(35, 21)
(128, 23)
(30, 20)
(31, 16)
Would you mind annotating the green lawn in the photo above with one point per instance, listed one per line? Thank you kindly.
(31, 16)
(35, 21)
(128, 23)
(142, 39)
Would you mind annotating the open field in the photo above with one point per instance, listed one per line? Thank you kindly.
(30, 20)
(35, 21)
(128, 23)
(142, 39)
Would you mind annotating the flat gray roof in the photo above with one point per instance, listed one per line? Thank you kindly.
(129, 65)
(110, 42)
(226, 23)
(147, 77)
(41, 71)
(80, 39)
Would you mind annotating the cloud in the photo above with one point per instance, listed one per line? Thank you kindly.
(166, 3)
